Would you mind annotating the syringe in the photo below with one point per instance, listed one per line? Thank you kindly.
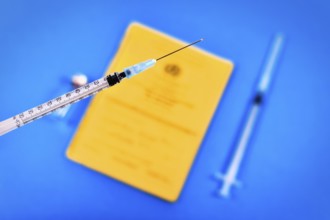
(78, 94)
(229, 178)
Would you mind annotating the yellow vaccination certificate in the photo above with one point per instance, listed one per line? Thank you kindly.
(147, 130)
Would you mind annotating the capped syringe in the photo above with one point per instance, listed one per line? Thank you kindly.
(78, 94)
(229, 178)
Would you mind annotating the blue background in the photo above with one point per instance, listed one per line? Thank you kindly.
(285, 172)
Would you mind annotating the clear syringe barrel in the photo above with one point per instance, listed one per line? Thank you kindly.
(50, 106)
